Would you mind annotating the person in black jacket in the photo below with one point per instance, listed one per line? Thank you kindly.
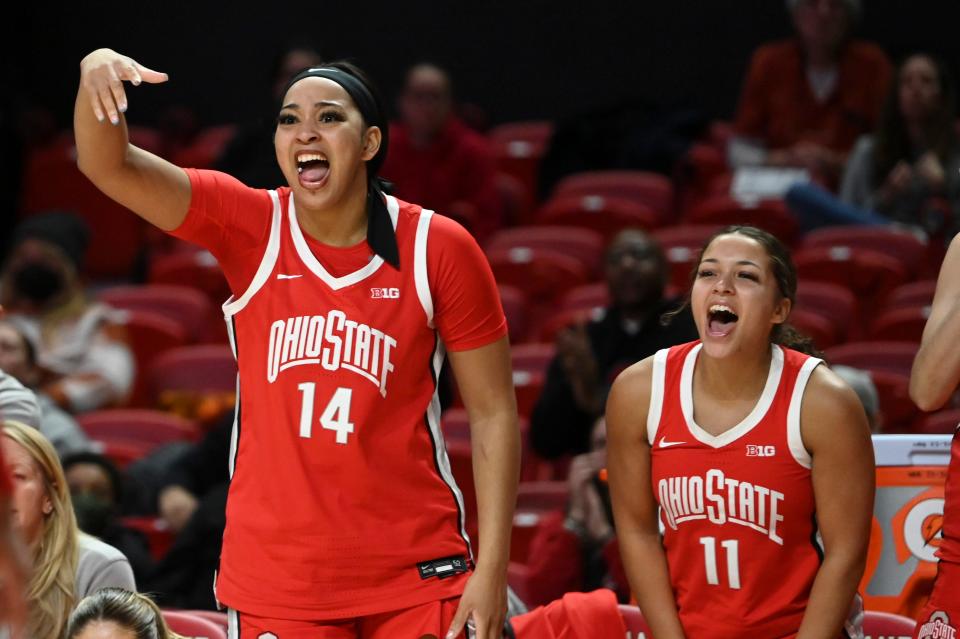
(589, 356)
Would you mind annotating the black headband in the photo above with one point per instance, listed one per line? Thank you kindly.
(380, 233)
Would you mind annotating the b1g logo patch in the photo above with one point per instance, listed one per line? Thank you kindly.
(385, 293)
(938, 627)
(761, 451)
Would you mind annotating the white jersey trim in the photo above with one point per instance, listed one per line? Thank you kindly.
(420, 274)
(794, 435)
(311, 262)
(656, 394)
(233, 624)
(233, 306)
(750, 421)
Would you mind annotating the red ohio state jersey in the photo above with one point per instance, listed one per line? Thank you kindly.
(737, 509)
(950, 544)
(341, 495)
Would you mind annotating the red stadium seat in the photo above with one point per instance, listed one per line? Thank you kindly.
(518, 578)
(895, 357)
(912, 294)
(198, 269)
(583, 244)
(514, 303)
(904, 324)
(534, 357)
(870, 274)
(516, 199)
(942, 422)
(815, 326)
(543, 275)
(195, 369)
(606, 215)
(770, 215)
(52, 181)
(898, 411)
(184, 305)
(528, 386)
(681, 246)
(886, 625)
(191, 626)
(899, 244)
(219, 618)
(518, 148)
(139, 426)
(650, 189)
(548, 330)
(149, 335)
(588, 296)
(156, 530)
(835, 302)
(637, 627)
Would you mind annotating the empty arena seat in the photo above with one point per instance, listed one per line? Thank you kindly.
(770, 215)
(912, 294)
(905, 324)
(943, 422)
(455, 423)
(198, 370)
(205, 148)
(897, 410)
(588, 296)
(139, 426)
(815, 326)
(899, 244)
(543, 496)
(198, 269)
(518, 149)
(833, 301)
(681, 246)
(547, 330)
(148, 336)
(514, 302)
(534, 357)
(192, 626)
(650, 189)
(896, 357)
(604, 214)
(541, 274)
(219, 618)
(871, 274)
(886, 625)
(586, 245)
(187, 306)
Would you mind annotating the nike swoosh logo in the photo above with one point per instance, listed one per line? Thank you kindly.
(665, 444)
(284, 276)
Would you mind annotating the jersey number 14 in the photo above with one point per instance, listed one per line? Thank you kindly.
(335, 417)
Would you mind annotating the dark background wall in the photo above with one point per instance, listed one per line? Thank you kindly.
(520, 59)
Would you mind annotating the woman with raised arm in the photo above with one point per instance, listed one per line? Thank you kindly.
(758, 458)
(343, 519)
(934, 378)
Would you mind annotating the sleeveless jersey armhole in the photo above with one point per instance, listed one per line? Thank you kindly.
(234, 305)
(656, 394)
(420, 272)
(794, 434)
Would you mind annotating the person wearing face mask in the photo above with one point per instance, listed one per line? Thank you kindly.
(96, 489)
(85, 363)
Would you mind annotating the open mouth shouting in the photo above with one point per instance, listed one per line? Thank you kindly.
(721, 320)
(312, 169)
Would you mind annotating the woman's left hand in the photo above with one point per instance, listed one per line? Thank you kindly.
(484, 601)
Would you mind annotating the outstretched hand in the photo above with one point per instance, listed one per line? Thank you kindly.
(102, 74)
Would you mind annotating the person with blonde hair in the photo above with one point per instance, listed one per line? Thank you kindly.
(66, 564)
(115, 612)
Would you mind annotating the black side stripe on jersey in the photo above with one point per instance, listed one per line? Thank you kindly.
(461, 515)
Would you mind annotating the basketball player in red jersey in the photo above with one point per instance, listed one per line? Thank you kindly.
(343, 519)
(758, 458)
(935, 376)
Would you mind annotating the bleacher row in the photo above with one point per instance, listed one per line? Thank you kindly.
(864, 293)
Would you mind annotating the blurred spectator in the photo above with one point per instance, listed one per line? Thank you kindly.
(115, 613)
(578, 552)
(862, 384)
(84, 361)
(19, 358)
(590, 356)
(96, 489)
(17, 402)
(436, 160)
(66, 564)
(913, 158)
(14, 565)
(806, 100)
(250, 155)
(192, 500)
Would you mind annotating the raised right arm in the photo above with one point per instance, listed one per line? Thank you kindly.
(148, 185)
(634, 507)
